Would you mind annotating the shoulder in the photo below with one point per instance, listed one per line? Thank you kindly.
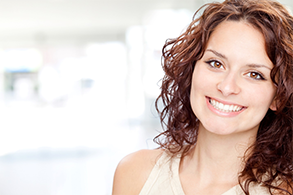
(133, 170)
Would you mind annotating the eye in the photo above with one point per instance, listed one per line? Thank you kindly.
(255, 75)
(214, 64)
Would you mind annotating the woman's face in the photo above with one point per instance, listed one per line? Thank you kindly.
(231, 88)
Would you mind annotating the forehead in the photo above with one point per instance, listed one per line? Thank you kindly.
(239, 40)
(237, 31)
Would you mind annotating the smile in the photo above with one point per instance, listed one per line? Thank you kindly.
(225, 107)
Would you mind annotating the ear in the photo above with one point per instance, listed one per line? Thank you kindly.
(273, 105)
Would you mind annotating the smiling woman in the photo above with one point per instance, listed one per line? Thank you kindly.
(228, 105)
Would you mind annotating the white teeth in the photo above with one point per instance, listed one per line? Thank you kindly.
(223, 107)
(226, 107)
(220, 105)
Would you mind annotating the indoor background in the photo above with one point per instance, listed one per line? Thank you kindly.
(78, 81)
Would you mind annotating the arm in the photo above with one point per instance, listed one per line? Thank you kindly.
(133, 171)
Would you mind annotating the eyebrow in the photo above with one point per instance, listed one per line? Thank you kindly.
(249, 65)
(258, 66)
(217, 54)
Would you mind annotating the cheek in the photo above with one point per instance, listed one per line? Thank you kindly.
(201, 78)
(198, 86)
(262, 96)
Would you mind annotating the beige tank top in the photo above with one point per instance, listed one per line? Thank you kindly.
(164, 180)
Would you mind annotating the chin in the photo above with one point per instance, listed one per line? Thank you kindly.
(220, 129)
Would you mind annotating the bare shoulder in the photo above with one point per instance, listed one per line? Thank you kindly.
(133, 171)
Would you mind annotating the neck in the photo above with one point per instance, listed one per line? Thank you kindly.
(218, 158)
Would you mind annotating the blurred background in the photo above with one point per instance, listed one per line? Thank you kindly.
(78, 81)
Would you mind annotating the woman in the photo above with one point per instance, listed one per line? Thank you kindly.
(228, 100)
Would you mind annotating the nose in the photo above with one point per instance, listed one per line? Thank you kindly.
(228, 85)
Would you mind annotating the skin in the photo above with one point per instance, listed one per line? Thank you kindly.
(230, 63)
(133, 170)
(236, 71)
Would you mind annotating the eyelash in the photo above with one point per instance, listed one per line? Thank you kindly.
(258, 75)
(209, 62)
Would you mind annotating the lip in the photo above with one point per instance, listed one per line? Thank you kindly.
(221, 113)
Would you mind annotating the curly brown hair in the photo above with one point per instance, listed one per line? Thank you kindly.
(271, 156)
